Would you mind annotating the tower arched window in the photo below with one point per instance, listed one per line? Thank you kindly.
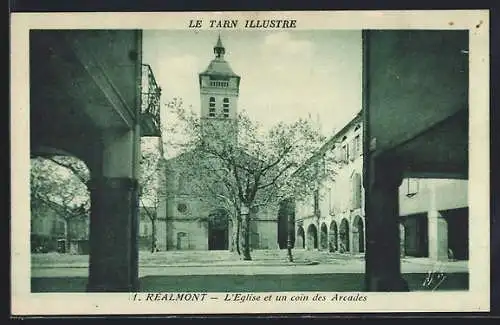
(211, 107)
(225, 107)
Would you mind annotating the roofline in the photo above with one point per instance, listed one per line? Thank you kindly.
(234, 75)
(346, 127)
(328, 144)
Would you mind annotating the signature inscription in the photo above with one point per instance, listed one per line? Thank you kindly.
(434, 278)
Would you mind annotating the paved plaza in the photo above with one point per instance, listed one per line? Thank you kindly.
(225, 271)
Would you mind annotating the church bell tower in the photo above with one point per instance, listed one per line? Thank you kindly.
(219, 91)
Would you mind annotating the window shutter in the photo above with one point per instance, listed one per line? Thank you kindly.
(353, 192)
(357, 191)
(359, 145)
(337, 152)
(352, 149)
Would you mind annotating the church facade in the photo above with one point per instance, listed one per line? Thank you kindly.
(200, 220)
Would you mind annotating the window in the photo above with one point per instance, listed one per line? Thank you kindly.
(345, 153)
(352, 150)
(225, 107)
(58, 227)
(356, 191)
(316, 202)
(211, 107)
(345, 150)
(330, 201)
(220, 84)
(182, 207)
(411, 187)
(357, 145)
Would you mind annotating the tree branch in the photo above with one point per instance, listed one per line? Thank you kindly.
(75, 171)
(275, 179)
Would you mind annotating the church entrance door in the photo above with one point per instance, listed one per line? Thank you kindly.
(218, 230)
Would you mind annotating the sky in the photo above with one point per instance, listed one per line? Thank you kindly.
(284, 75)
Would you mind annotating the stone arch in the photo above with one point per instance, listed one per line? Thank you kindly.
(333, 237)
(218, 229)
(323, 236)
(312, 237)
(358, 235)
(344, 236)
(300, 241)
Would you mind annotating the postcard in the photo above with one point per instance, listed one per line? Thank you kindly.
(250, 162)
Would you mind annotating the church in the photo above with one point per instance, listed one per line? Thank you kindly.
(199, 220)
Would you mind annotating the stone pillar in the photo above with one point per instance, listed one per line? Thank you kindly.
(382, 259)
(438, 236)
(402, 239)
(114, 222)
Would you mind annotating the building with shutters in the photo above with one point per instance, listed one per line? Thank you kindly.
(51, 232)
(433, 212)
(332, 218)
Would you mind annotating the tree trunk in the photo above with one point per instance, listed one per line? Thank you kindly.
(236, 236)
(289, 237)
(153, 235)
(68, 237)
(246, 239)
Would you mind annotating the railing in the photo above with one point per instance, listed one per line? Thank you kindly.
(151, 94)
(221, 84)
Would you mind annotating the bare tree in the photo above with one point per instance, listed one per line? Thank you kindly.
(152, 187)
(253, 167)
(60, 183)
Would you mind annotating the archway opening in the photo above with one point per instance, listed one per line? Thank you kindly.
(312, 237)
(333, 236)
(300, 241)
(324, 236)
(218, 230)
(344, 236)
(358, 234)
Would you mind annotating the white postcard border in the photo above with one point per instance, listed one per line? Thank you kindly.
(476, 299)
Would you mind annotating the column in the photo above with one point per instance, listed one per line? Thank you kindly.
(114, 222)
(382, 259)
(438, 236)
(402, 239)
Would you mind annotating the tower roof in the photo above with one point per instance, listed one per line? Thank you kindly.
(219, 66)
(219, 43)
